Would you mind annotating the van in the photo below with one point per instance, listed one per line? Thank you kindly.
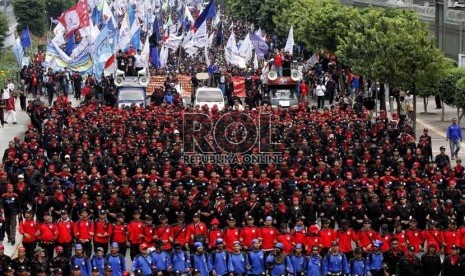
(209, 96)
(127, 96)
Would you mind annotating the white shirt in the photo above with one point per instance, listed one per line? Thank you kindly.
(320, 90)
(6, 94)
(138, 61)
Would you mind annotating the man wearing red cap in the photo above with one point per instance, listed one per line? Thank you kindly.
(60, 261)
(11, 207)
(214, 233)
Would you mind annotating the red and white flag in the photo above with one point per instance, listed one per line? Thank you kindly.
(76, 17)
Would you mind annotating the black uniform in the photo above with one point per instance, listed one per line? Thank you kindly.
(451, 267)
(431, 264)
(409, 266)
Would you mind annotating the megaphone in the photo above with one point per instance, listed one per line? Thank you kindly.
(295, 75)
(120, 72)
(119, 80)
(142, 72)
(144, 80)
(272, 75)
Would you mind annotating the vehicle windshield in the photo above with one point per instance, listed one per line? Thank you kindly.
(131, 94)
(209, 96)
(281, 93)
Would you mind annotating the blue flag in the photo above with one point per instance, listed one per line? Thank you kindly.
(70, 45)
(25, 38)
(208, 13)
(156, 29)
(219, 35)
(155, 59)
(135, 40)
(97, 16)
(259, 44)
(132, 15)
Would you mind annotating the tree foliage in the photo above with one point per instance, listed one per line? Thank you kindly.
(31, 13)
(258, 12)
(3, 28)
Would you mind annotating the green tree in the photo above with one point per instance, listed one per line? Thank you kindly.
(3, 28)
(451, 89)
(31, 13)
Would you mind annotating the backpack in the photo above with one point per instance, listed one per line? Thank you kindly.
(85, 258)
(107, 258)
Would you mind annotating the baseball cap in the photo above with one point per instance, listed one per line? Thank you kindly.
(279, 245)
(78, 246)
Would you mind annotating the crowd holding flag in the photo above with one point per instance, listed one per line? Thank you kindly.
(87, 36)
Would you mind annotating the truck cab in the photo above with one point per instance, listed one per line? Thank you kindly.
(131, 89)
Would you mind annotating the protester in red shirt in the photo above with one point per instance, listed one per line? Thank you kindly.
(346, 236)
(249, 232)
(136, 234)
(449, 235)
(47, 234)
(179, 233)
(163, 232)
(366, 236)
(432, 235)
(84, 232)
(327, 235)
(197, 230)
(299, 231)
(102, 231)
(313, 239)
(120, 233)
(285, 238)
(214, 233)
(28, 228)
(269, 234)
(231, 234)
(65, 233)
(414, 237)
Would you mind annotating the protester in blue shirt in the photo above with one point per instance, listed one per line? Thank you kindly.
(335, 262)
(358, 265)
(375, 259)
(454, 135)
(98, 260)
(256, 259)
(81, 260)
(199, 260)
(314, 263)
(115, 260)
(143, 261)
(180, 260)
(161, 260)
(297, 260)
(238, 260)
(276, 261)
(220, 260)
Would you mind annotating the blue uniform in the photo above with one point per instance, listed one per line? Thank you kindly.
(358, 267)
(221, 262)
(83, 263)
(117, 263)
(180, 261)
(375, 261)
(298, 263)
(98, 262)
(143, 263)
(314, 265)
(335, 264)
(239, 263)
(256, 262)
(160, 260)
(201, 263)
(277, 269)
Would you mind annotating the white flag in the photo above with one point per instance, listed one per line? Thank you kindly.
(163, 56)
(173, 42)
(107, 15)
(312, 60)
(290, 41)
(200, 38)
(145, 53)
(230, 48)
(255, 62)
(217, 18)
(124, 33)
(187, 39)
(246, 48)
(189, 15)
(207, 58)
